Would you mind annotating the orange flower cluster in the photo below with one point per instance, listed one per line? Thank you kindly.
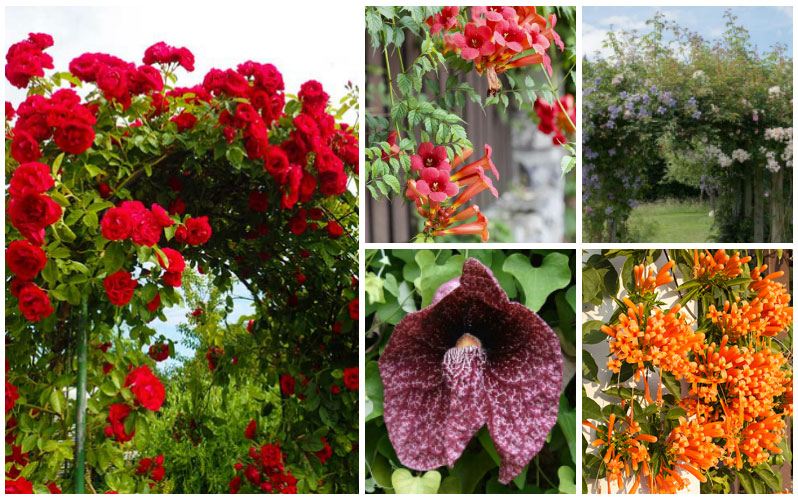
(664, 339)
(776, 312)
(768, 314)
(625, 450)
(649, 283)
(707, 265)
(740, 391)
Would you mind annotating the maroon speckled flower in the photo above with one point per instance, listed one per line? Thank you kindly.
(471, 358)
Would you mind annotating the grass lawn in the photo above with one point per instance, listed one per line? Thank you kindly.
(670, 221)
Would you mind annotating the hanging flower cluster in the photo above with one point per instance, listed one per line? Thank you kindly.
(556, 119)
(148, 392)
(496, 35)
(740, 390)
(435, 190)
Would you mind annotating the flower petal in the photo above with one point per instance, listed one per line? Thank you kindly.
(523, 385)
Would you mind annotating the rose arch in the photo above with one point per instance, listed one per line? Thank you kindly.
(117, 181)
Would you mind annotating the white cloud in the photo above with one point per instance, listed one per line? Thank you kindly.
(625, 23)
(592, 41)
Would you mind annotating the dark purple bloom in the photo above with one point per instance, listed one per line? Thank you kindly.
(471, 358)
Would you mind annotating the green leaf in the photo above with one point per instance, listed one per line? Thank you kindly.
(381, 471)
(57, 401)
(672, 384)
(405, 483)
(590, 283)
(404, 83)
(450, 485)
(539, 282)
(675, 413)
(771, 478)
(373, 286)
(434, 275)
(590, 408)
(114, 257)
(567, 480)
(374, 390)
(471, 468)
(591, 332)
(392, 182)
(589, 367)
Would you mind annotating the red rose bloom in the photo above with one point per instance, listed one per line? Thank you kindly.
(161, 216)
(287, 384)
(252, 474)
(337, 327)
(53, 488)
(159, 351)
(34, 303)
(235, 484)
(155, 303)
(252, 427)
(334, 229)
(119, 287)
(199, 231)
(104, 189)
(19, 486)
(107, 367)
(74, 138)
(24, 147)
(335, 389)
(174, 263)
(270, 456)
(301, 278)
(184, 121)
(325, 453)
(178, 207)
(25, 259)
(250, 324)
(117, 223)
(11, 396)
(147, 388)
(258, 201)
(33, 212)
(173, 279)
(116, 417)
(351, 378)
(10, 113)
(181, 234)
(30, 177)
(146, 230)
(298, 224)
(354, 309)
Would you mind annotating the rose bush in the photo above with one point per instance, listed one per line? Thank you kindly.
(245, 184)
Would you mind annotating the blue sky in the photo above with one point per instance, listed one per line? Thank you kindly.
(179, 315)
(766, 25)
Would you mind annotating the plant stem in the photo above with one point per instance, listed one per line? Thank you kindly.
(390, 88)
(554, 90)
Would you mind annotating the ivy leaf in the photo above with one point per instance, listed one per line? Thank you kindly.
(591, 332)
(434, 275)
(405, 483)
(539, 282)
(590, 408)
(374, 288)
(589, 367)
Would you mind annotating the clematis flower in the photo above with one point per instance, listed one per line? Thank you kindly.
(471, 358)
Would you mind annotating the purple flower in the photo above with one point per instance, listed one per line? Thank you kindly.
(608, 211)
(696, 114)
(471, 358)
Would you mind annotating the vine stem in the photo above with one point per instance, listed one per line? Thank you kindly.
(390, 88)
(554, 90)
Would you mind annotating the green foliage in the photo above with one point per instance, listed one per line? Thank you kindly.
(402, 281)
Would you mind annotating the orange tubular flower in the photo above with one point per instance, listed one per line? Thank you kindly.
(647, 284)
(665, 341)
(707, 265)
(432, 202)
(496, 35)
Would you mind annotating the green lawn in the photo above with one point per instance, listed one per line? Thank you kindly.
(670, 221)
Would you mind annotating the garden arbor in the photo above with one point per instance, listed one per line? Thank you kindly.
(120, 184)
(711, 117)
